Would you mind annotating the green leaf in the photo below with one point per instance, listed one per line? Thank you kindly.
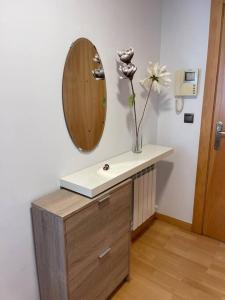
(103, 101)
(131, 100)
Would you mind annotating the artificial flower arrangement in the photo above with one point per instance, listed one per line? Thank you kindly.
(157, 76)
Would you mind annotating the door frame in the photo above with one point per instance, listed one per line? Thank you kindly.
(215, 29)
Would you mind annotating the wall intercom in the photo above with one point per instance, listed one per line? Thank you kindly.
(186, 85)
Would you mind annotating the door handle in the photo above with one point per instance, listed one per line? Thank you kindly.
(219, 133)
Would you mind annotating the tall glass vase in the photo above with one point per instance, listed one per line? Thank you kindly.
(137, 143)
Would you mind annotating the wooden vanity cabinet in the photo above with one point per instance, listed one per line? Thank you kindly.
(82, 245)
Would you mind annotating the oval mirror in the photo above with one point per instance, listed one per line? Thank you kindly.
(84, 95)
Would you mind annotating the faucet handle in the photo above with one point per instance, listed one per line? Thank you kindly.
(106, 167)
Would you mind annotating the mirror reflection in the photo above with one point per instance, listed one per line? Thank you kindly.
(84, 94)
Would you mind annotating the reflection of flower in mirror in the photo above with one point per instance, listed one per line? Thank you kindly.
(126, 55)
(97, 58)
(99, 74)
(157, 76)
(127, 71)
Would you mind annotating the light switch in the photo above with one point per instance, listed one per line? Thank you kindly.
(188, 118)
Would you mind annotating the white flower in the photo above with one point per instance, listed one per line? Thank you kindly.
(157, 76)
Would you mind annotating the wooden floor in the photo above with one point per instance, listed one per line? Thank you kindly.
(169, 263)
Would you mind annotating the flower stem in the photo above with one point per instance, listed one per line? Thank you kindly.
(135, 113)
(146, 102)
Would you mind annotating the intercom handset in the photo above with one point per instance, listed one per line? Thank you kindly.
(186, 83)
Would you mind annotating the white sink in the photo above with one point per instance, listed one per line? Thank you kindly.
(94, 180)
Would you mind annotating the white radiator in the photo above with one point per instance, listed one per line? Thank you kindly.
(144, 196)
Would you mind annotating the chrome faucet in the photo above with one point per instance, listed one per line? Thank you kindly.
(106, 167)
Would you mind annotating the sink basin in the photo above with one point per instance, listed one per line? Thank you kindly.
(94, 180)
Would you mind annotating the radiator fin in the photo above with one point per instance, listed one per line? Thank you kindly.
(144, 196)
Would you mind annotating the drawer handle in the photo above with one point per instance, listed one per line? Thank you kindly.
(103, 254)
(103, 199)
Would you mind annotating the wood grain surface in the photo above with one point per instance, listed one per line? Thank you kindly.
(168, 263)
(64, 203)
(82, 249)
(50, 255)
(100, 227)
(207, 113)
(84, 97)
(214, 219)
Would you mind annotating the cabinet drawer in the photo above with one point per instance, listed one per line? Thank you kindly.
(99, 225)
(95, 229)
(119, 213)
(85, 239)
(110, 270)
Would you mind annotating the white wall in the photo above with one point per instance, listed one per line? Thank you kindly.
(183, 45)
(35, 148)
